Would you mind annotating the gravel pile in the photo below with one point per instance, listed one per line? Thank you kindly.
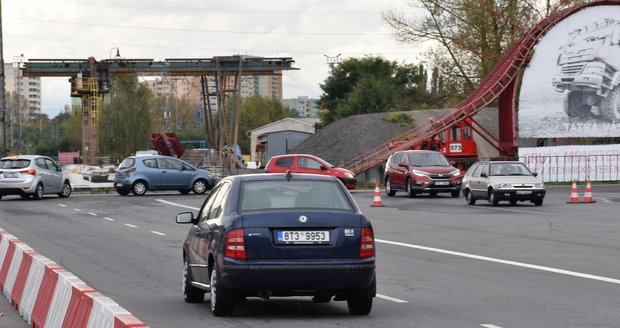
(349, 137)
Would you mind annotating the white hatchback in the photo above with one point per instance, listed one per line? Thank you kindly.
(32, 175)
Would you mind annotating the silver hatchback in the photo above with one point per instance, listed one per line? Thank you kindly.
(498, 181)
(32, 175)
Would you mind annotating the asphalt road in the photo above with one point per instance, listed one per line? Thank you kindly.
(441, 263)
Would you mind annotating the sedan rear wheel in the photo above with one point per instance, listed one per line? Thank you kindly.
(220, 306)
(388, 188)
(360, 305)
(513, 202)
(455, 193)
(538, 202)
(38, 193)
(122, 192)
(191, 294)
(199, 186)
(138, 188)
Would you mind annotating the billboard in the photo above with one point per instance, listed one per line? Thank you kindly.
(571, 87)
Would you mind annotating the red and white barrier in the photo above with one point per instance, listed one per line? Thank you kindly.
(48, 296)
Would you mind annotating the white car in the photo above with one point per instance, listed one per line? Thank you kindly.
(32, 175)
(497, 181)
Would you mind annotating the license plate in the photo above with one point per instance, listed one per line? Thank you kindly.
(11, 175)
(524, 192)
(442, 183)
(302, 237)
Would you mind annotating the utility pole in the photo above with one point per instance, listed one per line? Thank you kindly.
(2, 92)
(331, 61)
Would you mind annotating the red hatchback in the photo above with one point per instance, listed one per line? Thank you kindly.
(303, 163)
(421, 171)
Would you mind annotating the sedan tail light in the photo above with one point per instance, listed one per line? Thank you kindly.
(367, 247)
(235, 245)
(131, 169)
(29, 171)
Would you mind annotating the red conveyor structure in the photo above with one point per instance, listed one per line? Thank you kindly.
(501, 84)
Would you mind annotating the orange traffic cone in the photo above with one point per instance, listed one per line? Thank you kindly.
(376, 202)
(587, 196)
(574, 194)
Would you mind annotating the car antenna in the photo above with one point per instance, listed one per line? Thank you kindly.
(289, 176)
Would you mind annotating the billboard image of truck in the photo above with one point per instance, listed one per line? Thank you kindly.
(570, 87)
(589, 71)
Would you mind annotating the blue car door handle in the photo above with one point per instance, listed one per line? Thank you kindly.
(163, 171)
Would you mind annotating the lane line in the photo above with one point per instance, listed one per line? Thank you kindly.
(131, 225)
(77, 210)
(109, 219)
(513, 263)
(177, 205)
(389, 298)
(93, 214)
(158, 233)
(62, 205)
(490, 326)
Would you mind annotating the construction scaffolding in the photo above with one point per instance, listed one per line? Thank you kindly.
(91, 78)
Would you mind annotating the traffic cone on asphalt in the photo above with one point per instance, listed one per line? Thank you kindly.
(587, 196)
(376, 202)
(574, 194)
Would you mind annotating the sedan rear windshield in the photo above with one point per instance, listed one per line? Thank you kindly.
(14, 163)
(300, 194)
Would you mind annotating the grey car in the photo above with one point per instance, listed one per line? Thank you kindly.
(498, 181)
(32, 175)
(137, 174)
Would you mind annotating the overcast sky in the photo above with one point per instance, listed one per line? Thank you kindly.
(306, 30)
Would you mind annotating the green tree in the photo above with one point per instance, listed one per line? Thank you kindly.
(371, 85)
(467, 37)
(127, 127)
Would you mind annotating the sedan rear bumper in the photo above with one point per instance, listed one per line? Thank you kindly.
(298, 280)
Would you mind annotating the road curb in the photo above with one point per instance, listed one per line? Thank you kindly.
(46, 295)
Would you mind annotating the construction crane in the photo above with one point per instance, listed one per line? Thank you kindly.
(91, 78)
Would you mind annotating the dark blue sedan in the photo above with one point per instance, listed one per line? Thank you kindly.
(279, 235)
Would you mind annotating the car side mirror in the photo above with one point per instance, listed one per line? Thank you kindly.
(185, 218)
(535, 174)
(402, 164)
(323, 168)
(484, 175)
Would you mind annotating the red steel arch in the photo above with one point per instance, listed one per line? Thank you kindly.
(500, 84)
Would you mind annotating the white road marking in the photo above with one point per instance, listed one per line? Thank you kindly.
(109, 219)
(490, 326)
(389, 298)
(605, 200)
(131, 225)
(62, 205)
(158, 233)
(490, 259)
(77, 210)
(93, 214)
(177, 205)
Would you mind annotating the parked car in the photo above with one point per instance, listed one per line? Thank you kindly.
(421, 171)
(137, 174)
(263, 235)
(304, 163)
(32, 175)
(498, 181)
(95, 174)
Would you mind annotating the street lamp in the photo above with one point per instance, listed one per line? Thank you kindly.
(118, 55)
